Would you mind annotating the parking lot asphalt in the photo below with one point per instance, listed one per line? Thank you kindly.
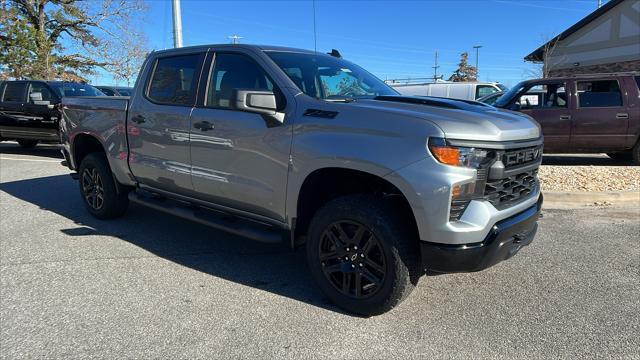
(151, 285)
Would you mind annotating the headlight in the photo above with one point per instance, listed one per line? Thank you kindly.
(456, 155)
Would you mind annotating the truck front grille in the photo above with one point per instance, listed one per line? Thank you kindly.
(518, 157)
(512, 190)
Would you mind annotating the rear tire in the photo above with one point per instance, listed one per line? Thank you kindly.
(361, 254)
(98, 188)
(635, 153)
(27, 143)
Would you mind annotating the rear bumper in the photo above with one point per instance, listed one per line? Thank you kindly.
(504, 240)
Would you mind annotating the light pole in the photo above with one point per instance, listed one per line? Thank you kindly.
(177, 24)
(477, 47)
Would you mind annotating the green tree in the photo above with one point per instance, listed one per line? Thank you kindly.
(464, 72)
(62, 39)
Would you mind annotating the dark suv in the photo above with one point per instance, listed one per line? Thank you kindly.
(597, 113)
(28, 112)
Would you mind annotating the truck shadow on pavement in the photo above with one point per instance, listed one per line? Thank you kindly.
(274, 268)
(48, 151)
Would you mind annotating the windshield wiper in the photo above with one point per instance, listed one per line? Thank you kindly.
(340, 99)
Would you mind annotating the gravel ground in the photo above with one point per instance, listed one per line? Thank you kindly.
(592, 173)
(150, 285)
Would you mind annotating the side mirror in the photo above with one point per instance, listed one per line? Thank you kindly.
(35, 96)
(256, 101)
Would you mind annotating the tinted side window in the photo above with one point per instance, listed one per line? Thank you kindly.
(599, 93)
(638, 82)
(544, 96)
(14, 92)
(174, 80)
(42, 89)
(483, 90)
(234, 71)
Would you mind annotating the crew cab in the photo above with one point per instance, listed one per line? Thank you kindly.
(28, 112)
(596, 113)
(287, 145)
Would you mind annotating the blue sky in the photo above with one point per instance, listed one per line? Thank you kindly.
(392, 39)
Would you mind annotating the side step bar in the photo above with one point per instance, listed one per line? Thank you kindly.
(235, 225)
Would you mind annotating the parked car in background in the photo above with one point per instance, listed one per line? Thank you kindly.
(452, 90)
(280, 144)
(28, 111)
(114, 90)
(597, 113)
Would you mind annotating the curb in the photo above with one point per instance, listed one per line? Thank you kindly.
(565, 200)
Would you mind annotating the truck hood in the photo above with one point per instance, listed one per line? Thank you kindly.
(459, 119)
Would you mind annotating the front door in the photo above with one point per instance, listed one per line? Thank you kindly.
(158, 126)
(601, 118)
(239, 159)
(550, 106)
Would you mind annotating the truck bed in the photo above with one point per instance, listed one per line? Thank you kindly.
(103, 117)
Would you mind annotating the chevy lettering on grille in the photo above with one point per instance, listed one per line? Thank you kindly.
(521, 156)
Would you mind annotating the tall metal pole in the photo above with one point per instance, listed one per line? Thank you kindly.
(177, 24)
(477, 47)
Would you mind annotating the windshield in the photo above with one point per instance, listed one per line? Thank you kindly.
(502, 87)
(76, 89)
(504, 99)
(329, 78)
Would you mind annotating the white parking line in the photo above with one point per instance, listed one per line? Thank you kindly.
(36, 160)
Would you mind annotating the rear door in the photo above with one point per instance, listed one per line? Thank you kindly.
(240, 159)
(40, 103)
(547, 102)
(158, 123)
(601, 117)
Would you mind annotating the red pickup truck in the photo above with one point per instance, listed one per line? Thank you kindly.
(597, 113)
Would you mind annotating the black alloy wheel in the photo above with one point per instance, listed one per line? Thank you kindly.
(352, 259)
(92, 188)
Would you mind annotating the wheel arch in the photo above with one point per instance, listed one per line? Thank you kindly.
(327, 183)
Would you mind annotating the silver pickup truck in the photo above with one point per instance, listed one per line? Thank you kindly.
(288, 145)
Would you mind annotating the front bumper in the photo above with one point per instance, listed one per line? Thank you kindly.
(504, 240)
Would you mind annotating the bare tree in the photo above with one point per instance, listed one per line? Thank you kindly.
(544, 65)
(61, 39)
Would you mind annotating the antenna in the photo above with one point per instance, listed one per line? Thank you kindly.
(435, 69)
(234, 38)
(315, 36)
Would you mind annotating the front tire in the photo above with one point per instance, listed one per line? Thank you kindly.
(27, 143)
(361, 254)
(98, 188)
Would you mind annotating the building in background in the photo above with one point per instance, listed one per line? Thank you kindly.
(607, 40)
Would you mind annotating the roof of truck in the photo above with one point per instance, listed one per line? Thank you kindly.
(241, 46)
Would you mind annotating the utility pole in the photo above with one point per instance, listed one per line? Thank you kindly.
(234, 38)
(435, 69)
(177, 24)
(477, 47)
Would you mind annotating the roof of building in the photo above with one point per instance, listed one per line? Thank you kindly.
(538, 54)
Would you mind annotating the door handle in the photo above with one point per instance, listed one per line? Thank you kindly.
(203, 125)
(565, 117)
(138, 119)
(622, 116)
